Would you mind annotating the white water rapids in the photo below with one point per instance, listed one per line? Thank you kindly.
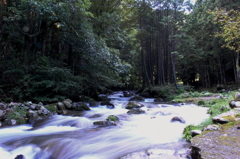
(75, 137)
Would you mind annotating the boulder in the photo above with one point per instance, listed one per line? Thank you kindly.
(102, 97)
(2, 113)
(63, 112)
(136, 111)
(11, 122)
(237, 96)
(137, 98)
(127, 94)
(105, 123)
(234, 104)
(33, 117)
(112, 118)
(132, 105)
(33, 107)
(195, 132)
(226, 117)
(19, 157)
(211, 127)
(80, 106)
(67, 103)
(178, 119)
(3, 106)
(110, 106)
(61, 106)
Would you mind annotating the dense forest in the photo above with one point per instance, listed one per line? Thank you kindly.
(53, 49)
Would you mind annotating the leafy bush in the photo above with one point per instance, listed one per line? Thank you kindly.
(18, 113)
(187, 130)
(201, 102)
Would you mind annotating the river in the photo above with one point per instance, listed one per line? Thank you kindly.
(75, 136)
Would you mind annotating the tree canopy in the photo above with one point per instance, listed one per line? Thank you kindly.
(65, 48)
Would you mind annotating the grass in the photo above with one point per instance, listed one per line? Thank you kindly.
(216, 107)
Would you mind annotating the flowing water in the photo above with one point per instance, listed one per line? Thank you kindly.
(75, 137)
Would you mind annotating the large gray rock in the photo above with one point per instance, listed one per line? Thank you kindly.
(67, 103)
(137, 98)
(80, 106)
(178, 119)
(211, 127)
(2, 113)
(33, 117)
(132, 105)
(3, 106)
(61, 106)
(105, 123)
(195, 132)
(136, 111)
(226, 117)
(11, 122)
(234, 104)
(127, 94)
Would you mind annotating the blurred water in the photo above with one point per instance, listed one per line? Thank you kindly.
(67, 137)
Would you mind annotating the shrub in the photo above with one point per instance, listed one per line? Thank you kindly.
(186, 132)
(18, 113)
(201, 102)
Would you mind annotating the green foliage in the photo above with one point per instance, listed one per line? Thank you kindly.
(51, 107)
(112, 118)
(18, 113)
(201, 102)
(187, 130)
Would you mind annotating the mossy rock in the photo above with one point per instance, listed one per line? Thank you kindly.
(112, 118)
(223, 143)
(132, 105)
(137, 98)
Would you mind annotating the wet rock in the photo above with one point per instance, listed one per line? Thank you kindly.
(136, 111)
(105, 123)
(80, 106)
(211, 128)
(219, 120)
(178, 119)
(110, 106)
(112, 118)
(127, 94)
(195, 153)
(195, 132)
(19, 157)
(137, 98)
(61, 106)
(226, 117)
(67, 103)
(237, 96)
(132, 105)
(234, 104)
(94, 104)
(2, 113)
(33, 107)
(0, 124)
(63, 112)
(3, 106)
(38, 107)
(105, 103)
(102, 97)
(33, 117)
(11, 122)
